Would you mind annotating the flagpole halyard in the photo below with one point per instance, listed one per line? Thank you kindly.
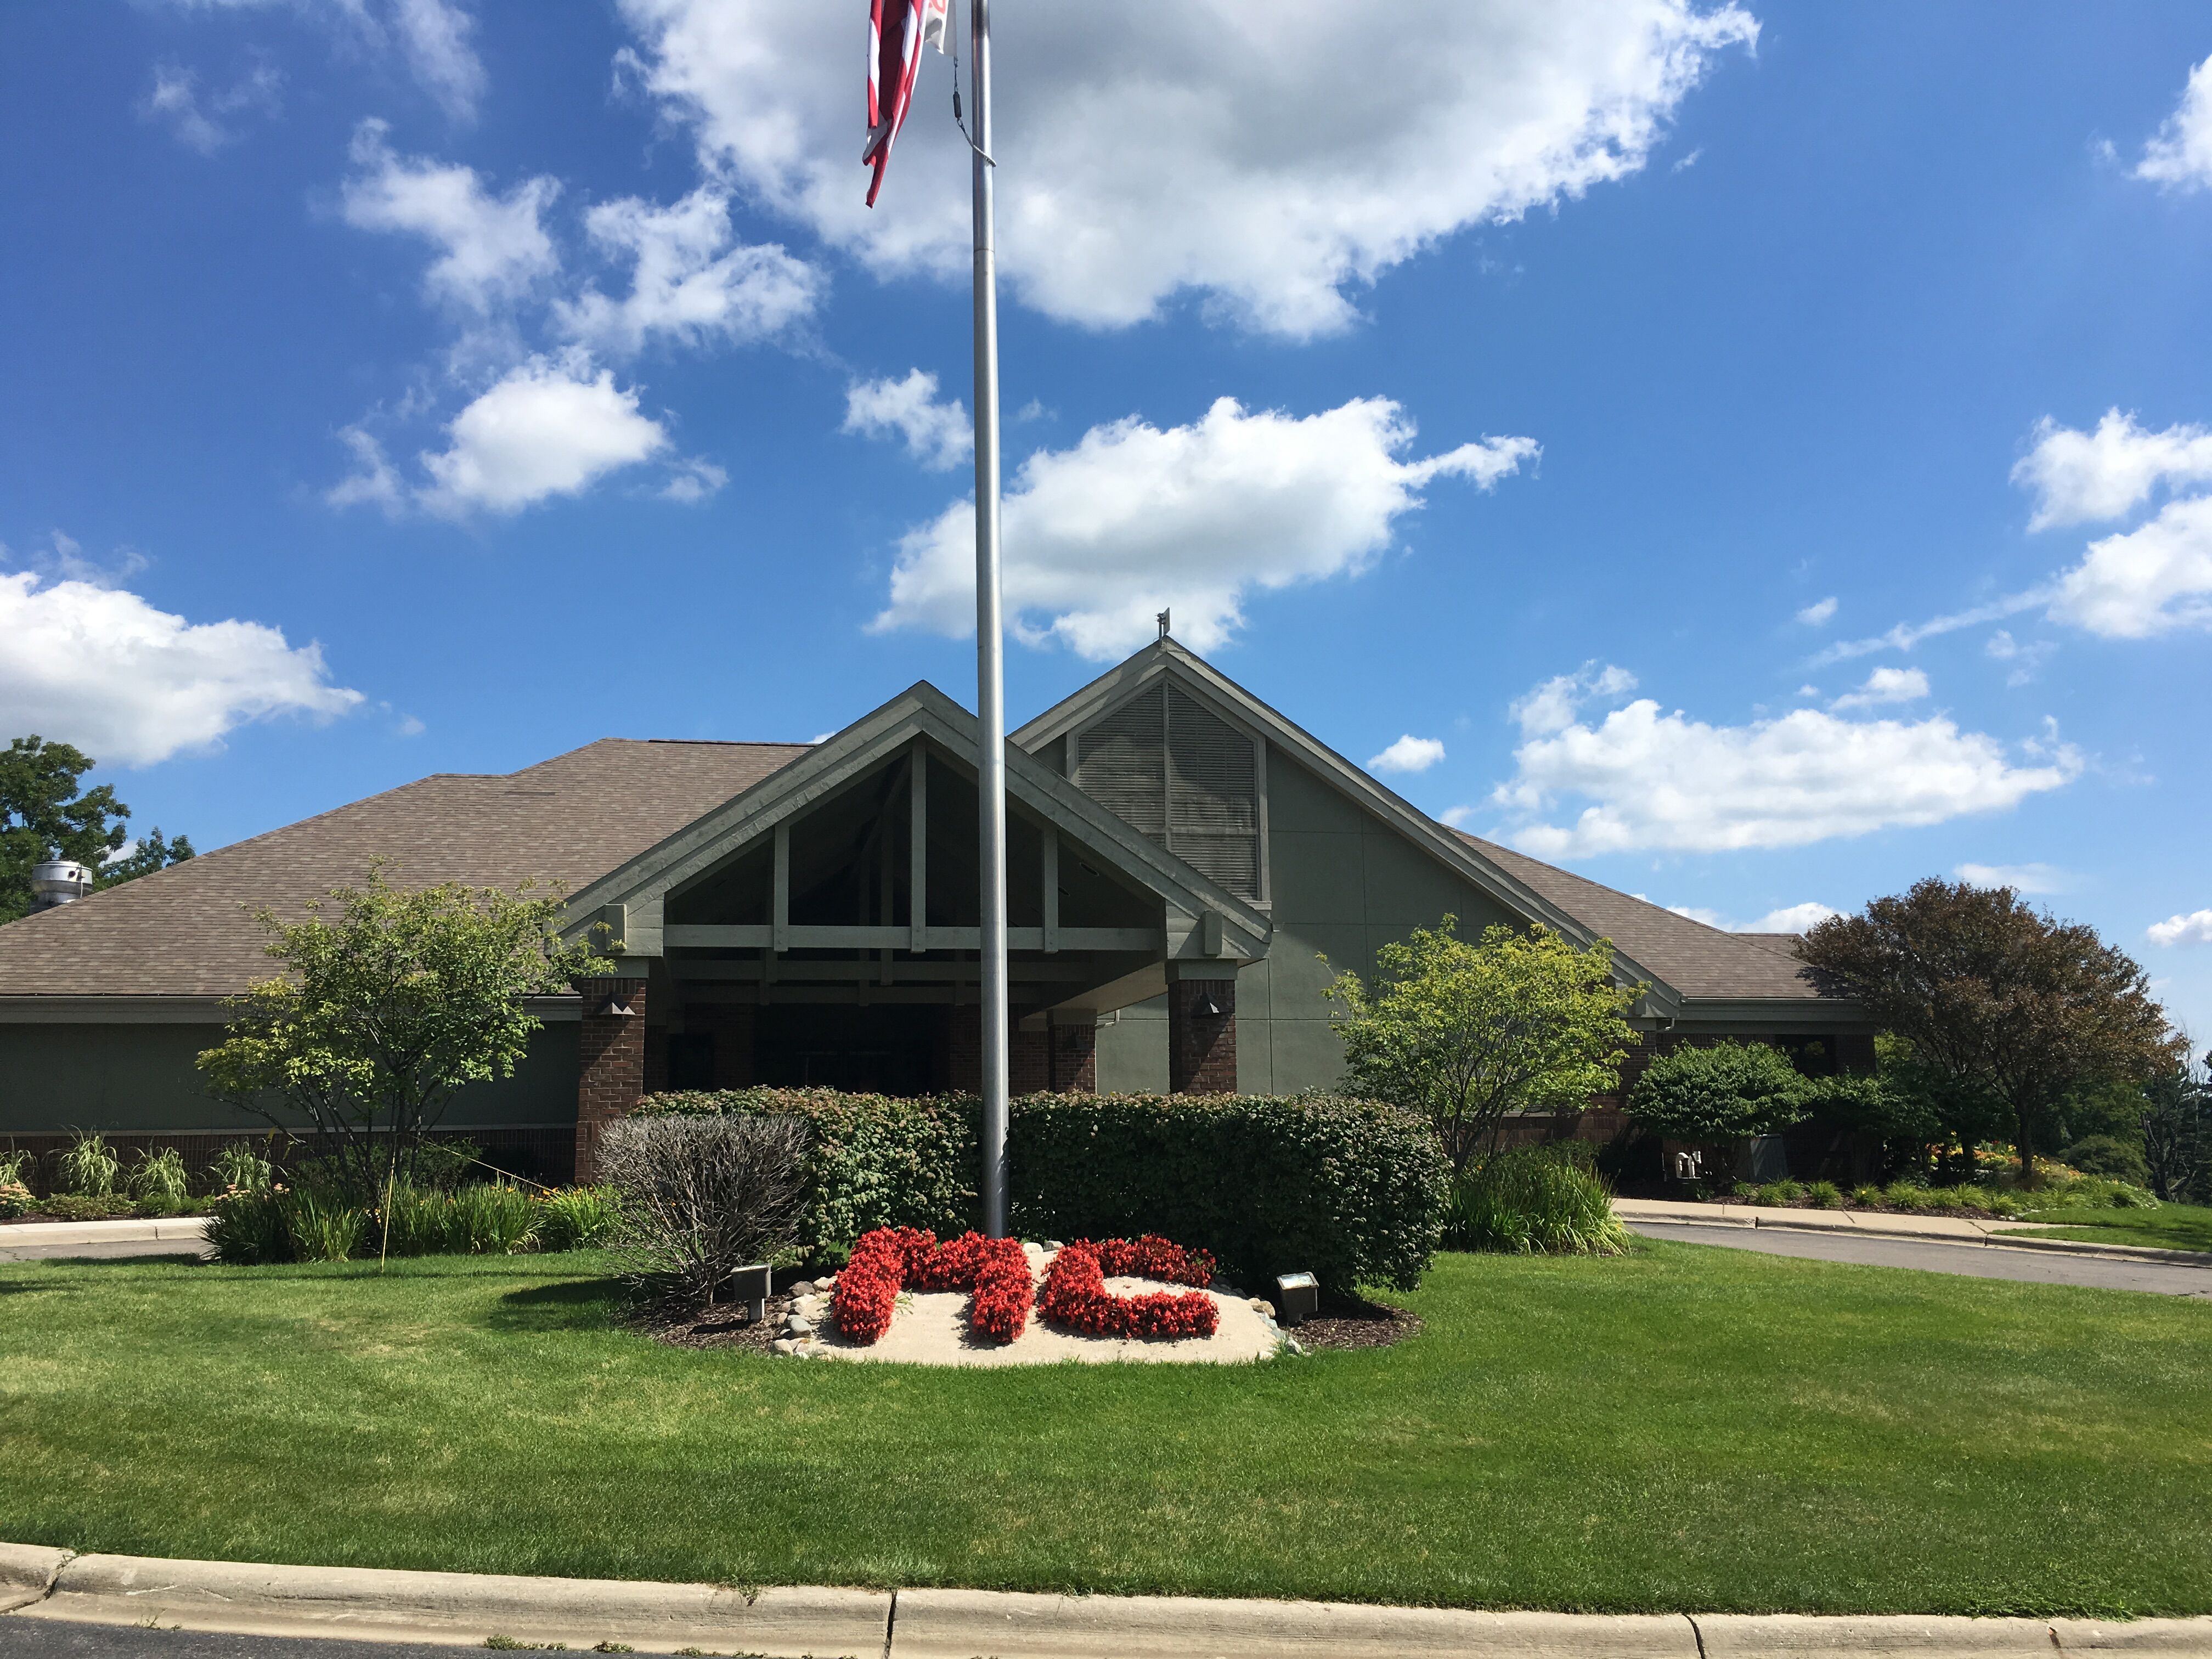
(990, 657)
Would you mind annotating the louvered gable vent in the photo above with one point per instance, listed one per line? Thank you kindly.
(1182, 775)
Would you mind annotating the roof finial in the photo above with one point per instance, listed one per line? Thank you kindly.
(1163, 624)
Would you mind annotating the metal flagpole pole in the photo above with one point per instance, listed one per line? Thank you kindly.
(990, 661)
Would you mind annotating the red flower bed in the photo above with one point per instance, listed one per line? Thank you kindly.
(890, 1259)
(1075, 1293)
(1154, 1257)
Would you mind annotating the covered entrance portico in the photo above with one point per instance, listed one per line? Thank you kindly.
(822, 928)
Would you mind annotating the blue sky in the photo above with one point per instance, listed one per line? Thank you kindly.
(1692, 425)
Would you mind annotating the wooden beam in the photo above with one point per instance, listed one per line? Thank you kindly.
(804, 936)
(918, 878)
(1051, 890)
(779, 917)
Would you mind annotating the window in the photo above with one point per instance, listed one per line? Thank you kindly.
(1181, 776)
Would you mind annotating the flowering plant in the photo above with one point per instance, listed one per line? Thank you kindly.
(1075, 1293)
(891, 1259)
(1154, 1257)
(14, 1199)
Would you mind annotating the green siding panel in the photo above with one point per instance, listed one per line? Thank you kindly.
(123, 1079)
(1133, 1050)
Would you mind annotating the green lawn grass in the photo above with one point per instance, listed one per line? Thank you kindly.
(1684, 1428)
(2169, 1227)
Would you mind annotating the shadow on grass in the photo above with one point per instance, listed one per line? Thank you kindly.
(575, 1305)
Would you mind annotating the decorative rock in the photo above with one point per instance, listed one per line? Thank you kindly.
(784, 1345)
(1264, 1306)
(1054, 1244)
(798, 1326)
(803, 1287)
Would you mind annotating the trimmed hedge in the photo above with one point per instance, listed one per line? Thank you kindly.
(1352, 1191)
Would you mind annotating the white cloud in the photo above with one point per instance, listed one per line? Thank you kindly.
(2025, 659)
(937, 434)
(694, 481)
(2195, 928)
(2078, 477)
(205, 126)
(2150, 579)
(373, 481)
(1552, 706)
(493, 248)
(433, 35)
(688, 282)
(1134, 520)
(1819, 613)
(541, 432)
(1665, 781)
(2181, 155)
(2025, 877)
(1885, 686)
(1408, 754)
(101, 668)
(1270, 161)
(1789, 919)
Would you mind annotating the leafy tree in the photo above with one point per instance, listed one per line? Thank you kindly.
(1466, 1034)
(1999, 1002)
(2177, 1135)
(1720, 1092)
(43, 812)
(153, 853)
(391, 1004)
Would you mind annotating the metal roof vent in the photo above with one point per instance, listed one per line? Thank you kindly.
(57, 881)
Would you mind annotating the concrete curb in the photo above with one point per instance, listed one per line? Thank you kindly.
(943, 1624)
(377, 1605)
(464, 1609)
(27, 1573)
(23, 1235)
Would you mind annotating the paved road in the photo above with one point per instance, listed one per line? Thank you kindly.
(48, 1638)
(1973, 1261)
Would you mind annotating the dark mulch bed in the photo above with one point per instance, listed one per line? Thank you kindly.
(719, 1328)
(1356, 1323)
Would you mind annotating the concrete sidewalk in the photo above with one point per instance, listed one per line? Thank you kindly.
(180, 1235)
(465, 1609)
(1928, 1229)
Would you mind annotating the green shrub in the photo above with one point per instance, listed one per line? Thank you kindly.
(416, 1221)
(446, 1164)
(84, 1206)
(1867, 1196)
(490, 1219)
(1824, 1195)
(1719, 1091)
(160, 1176)
(89, 1166)
(574, 1217)
(1779, 1193)
(2110, 1156)
(1533, 1200)
(321, 1227)
(246, 1229)
(14, 1199)
(1352, 1191)
(1744, 1190)
(872, 1160)
(238, 1168)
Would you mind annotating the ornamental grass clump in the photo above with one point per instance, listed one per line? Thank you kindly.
(89, 1166)
(698, 1198)
(574, 1217)
(1530, 1200)
(159, 1177)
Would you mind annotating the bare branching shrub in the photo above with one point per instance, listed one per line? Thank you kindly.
(700, 1197)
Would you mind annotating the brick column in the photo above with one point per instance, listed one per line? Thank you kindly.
(1029, 1060)
(1201, 1046)
(610, 1073)
(1075, 1057)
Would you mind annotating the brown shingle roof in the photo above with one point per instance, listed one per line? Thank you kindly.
(1697, 961)
(185, 931)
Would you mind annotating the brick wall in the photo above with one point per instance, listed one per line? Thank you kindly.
(610, 1049)
(1201, 1047)
(1073, 1069)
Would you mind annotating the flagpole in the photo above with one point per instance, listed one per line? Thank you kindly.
(990, 657)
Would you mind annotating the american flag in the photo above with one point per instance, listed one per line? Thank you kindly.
(898, 31)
